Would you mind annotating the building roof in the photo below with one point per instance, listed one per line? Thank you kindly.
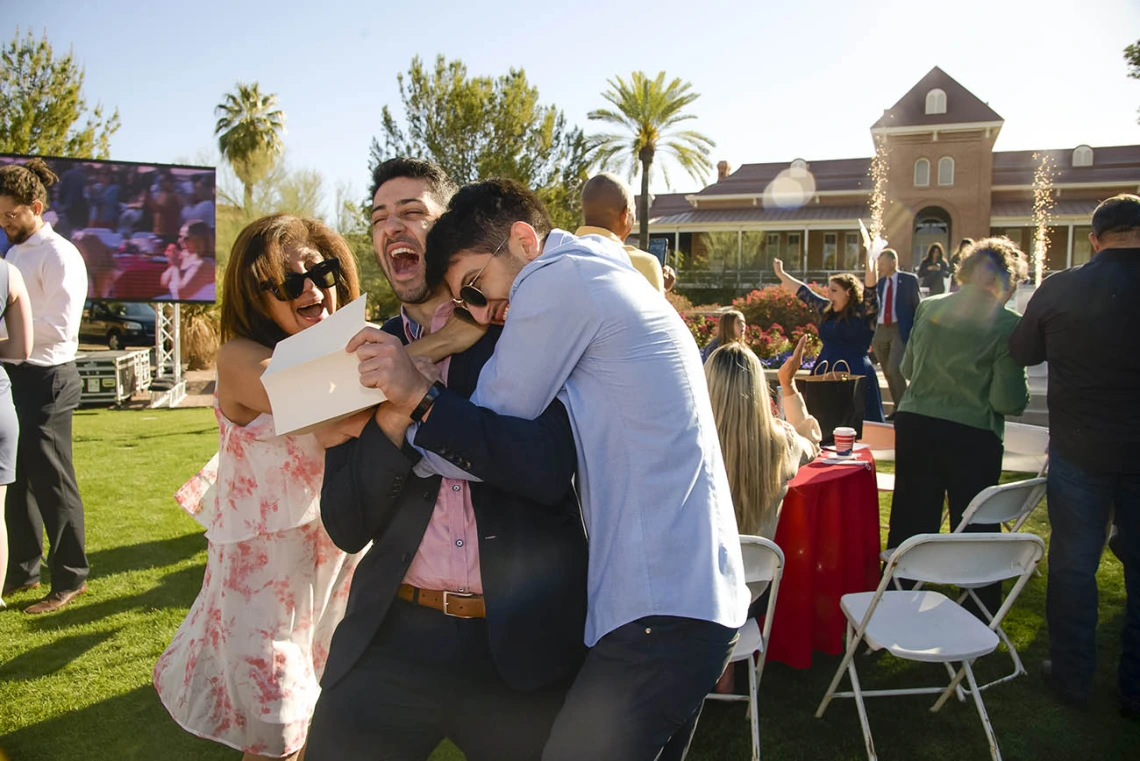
(1065, 207)
(1111, 164)
(832, 174)
(962, 106)
(810, 213)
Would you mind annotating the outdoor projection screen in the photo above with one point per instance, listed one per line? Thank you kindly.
(146, 231)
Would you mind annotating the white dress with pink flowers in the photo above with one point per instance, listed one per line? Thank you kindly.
(244, 666)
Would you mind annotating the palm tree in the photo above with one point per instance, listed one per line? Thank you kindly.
(249, 133)
(648, 112)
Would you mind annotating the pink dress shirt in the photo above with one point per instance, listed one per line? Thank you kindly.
(448, 557)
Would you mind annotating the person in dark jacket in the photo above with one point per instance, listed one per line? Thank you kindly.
(1084, 322)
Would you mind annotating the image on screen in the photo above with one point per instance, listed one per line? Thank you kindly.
(146, 231)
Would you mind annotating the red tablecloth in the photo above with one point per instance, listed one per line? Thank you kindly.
(829, 532)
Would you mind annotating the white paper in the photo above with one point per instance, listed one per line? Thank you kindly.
(311, 379)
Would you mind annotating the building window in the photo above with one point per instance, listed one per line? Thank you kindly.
(1082, 248)
(799, 164)
(1083, 156)
(851, 251)
(945, 171)
(830, 250)
(936, 102)
(921, 173)
(772, 246)
(793, 249)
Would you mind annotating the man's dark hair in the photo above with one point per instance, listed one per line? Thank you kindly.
(1119, 214)
(479, 217)
(439, 184)
(27, 182)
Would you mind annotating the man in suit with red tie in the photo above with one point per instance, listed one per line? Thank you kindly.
(898, 300)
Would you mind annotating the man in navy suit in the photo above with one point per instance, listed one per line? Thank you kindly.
(465, 619)
(898, 300)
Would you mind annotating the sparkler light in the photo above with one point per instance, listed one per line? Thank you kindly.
(1043, 203)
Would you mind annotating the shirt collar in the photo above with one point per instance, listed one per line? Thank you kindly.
(414, 331)
(1117, 254)
(590, 230)
(39, 236)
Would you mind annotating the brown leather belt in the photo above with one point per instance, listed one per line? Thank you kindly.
(457, 604)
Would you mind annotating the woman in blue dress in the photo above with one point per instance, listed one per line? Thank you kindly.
(846, 326)
(16, 314)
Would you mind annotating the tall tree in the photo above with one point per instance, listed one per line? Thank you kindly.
(647, 112)
(1132, 58)
(249, 132)
(480, 127)
(43, 104)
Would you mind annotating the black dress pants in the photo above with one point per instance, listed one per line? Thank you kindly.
(45, 494)
(427, 676)
(936, 460)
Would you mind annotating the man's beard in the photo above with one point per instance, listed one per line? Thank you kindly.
(418, 295)
(16, 237)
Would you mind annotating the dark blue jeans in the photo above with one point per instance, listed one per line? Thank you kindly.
(639, 694)
(1080, 511)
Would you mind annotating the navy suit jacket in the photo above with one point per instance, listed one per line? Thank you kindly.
(906, 301)
(532, 546)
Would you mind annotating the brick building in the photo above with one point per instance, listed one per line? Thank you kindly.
(945, 182)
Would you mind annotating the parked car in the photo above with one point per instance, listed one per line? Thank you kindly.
(117, 325)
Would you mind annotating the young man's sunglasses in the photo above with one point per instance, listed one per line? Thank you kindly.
(323, 275)
(469, 295)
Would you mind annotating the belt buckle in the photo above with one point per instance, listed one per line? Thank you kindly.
(446, 602)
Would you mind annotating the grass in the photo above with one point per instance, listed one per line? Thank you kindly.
(76, 684)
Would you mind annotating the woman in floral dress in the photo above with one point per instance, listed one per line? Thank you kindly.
(244, 666)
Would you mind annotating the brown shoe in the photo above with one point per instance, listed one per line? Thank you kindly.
(9, 591)
(54, 601)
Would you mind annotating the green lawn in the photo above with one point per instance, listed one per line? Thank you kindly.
(76, 685)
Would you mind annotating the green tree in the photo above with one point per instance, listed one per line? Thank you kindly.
(249, 132)
(647, 113)
(352, 222)
(1132, 58)
(480, 127)
(42, 104)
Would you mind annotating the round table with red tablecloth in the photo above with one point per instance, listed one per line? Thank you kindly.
(829, 532)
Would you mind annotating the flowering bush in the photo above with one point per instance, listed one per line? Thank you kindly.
(772, 346)
(775, 306)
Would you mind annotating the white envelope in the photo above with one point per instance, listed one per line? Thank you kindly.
(312, 380)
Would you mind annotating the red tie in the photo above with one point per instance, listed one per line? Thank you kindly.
(888, 317)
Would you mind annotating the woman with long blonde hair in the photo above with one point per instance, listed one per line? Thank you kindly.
(761, 452)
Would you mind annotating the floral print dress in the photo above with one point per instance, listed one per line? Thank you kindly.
(244, 666)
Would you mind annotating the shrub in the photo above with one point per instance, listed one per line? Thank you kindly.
(774, 306)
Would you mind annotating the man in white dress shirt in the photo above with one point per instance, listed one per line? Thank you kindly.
(45, 390)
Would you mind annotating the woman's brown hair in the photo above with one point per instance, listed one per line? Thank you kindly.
(991, 260)
(726, 331)
(258, 257)
(854, 288)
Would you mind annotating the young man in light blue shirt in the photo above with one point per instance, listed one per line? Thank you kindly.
(666, 582)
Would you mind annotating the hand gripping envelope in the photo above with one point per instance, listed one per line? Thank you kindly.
(312, 380)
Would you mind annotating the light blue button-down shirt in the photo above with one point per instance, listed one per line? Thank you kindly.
(588, 328)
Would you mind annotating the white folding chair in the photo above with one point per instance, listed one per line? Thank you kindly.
(922, 625)
(763, 568)
(1026, 448)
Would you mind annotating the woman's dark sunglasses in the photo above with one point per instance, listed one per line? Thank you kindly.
(323, 275)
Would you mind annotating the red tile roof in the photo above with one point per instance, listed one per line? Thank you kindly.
(1118, 163)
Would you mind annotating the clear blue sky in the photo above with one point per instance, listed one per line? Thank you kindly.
(777, 80)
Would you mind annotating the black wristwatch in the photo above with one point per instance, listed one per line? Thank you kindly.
(425, 404)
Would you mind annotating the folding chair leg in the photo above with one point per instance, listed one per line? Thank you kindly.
(867, 741)
(753, 707)
(961, 693)
(995, 753)
(851, 648)
(950, 689)
(1018, 666)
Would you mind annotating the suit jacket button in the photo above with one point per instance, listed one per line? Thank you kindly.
(405, 558)
(428, 495)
